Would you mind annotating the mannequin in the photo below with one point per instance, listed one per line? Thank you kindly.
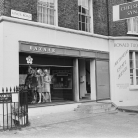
(40, 86)
(47, 81)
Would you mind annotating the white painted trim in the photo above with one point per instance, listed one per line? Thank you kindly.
(116, 13)
(56, 16)
(91, 22)
(42, 25)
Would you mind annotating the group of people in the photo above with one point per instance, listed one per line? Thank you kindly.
(39, 81)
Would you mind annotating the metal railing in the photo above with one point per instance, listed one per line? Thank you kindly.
(13, 108)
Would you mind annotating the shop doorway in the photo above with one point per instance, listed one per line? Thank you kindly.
(84, 79)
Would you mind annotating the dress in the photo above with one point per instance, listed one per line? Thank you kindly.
(40, 81)
(47, 81)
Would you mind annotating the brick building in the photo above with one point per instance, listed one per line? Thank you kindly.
(77, 42)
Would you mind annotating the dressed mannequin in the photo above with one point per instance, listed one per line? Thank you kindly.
(40, 86)
(47, 82)
(34, 85)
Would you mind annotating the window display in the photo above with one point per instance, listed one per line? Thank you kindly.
(62, 79)
(43, 83)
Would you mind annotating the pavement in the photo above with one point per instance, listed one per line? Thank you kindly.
(55, 118)
(113, 125)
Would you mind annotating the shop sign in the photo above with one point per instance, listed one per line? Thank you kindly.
(22, 15)
(125, 11)
(5, 97)
(42, 49)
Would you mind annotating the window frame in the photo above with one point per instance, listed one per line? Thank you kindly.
(90, 16)
(55, 12)
(134, 68)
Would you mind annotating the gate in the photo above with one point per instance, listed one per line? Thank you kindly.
(13, 108)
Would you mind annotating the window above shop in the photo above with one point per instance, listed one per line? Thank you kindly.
(85, 13)
(47, 11)
(133, 60)
(132, 23)
(132, 26)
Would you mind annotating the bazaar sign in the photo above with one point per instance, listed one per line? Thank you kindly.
(125, 11)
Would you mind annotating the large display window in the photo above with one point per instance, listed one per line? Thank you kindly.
(46, 83)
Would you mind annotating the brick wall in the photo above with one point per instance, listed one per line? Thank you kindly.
(117, 28)
(29, 6)
(1, 7)
(100, 18)
(68, 14)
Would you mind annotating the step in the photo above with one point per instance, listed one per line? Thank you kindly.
(96, 111)
(95, 106)
(88, 94)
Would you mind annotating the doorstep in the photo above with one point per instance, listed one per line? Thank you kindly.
(128, 108)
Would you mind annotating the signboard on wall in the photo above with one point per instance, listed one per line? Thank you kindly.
(124, 11)
(22, 15)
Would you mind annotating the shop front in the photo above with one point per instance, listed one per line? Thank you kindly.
(71, 71)
(124, 71)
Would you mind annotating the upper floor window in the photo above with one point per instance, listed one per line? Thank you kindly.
(46, 11)
(84, 15)
(133, 60)
(132, 23)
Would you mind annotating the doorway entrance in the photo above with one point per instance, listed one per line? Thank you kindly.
(84, 79)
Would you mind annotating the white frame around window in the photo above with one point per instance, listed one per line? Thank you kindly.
(133, 75)
(90, 4)
(132, 24)
(43, 3)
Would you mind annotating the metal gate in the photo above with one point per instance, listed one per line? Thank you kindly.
(13, 108)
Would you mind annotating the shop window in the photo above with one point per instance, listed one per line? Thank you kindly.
(84, 15)
(133, 60)
(46, 11)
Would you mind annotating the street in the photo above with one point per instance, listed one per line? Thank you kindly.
(115, 125)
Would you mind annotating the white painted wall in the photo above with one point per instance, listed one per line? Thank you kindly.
(121, 92)
(15, 32)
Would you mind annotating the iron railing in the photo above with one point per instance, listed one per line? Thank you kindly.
(13, 108)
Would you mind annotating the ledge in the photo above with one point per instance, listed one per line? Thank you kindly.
(42, 25)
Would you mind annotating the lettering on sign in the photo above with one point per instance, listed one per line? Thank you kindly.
(128, 10)
(123, 86)
(22, 15)
(122, 64)
(130, 45)
(121, 57)
(5, 97)
(42, 49)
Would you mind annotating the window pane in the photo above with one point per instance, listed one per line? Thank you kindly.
(136, 63)
(130, 55)
(83, 18)
(131, 64)
(83, 26)
(80, 26)
(137, 81)
(46, 8)
(136, 53)
(136, 72)
(131, 81)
